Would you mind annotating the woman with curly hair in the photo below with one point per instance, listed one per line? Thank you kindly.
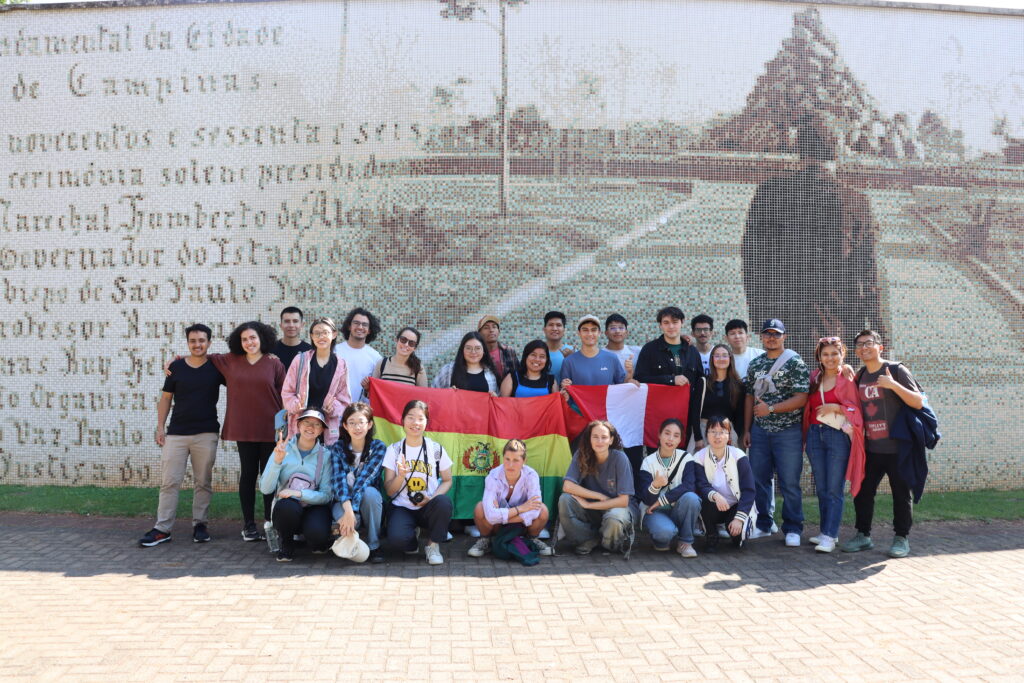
(254, 380)
(594, 505)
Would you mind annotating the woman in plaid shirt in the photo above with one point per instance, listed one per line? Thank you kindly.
(357, 458)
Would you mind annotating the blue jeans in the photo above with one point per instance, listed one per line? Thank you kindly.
(677, 520)
(371, 508)
(828, 451)
(780, 453)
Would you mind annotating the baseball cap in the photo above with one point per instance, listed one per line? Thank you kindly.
(588, 319)
(351, 547)
(488, 319)
(773, 324)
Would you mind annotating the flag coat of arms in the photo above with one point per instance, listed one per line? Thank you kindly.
(636, 411)
(473, 428)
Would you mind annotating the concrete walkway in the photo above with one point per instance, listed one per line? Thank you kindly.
(81, 602)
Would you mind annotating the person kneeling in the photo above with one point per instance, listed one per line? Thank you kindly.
(300, 473)
(417, 475)
(667, 491)
(511, 496)
(594, 505)
(725, 483)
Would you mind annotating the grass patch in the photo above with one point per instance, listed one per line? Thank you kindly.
(136, 502)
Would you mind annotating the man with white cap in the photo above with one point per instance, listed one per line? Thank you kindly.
(591, 365)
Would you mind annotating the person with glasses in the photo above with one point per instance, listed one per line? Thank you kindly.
(725, 484)
(834, 435)
(884, 388)
(317, 379)
(615, 330)
(471, 370)
(404, 366)
(702, 326)
(359, 329)
(357, 459)
(777, 384)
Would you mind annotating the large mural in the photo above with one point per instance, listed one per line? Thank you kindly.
(836, 166)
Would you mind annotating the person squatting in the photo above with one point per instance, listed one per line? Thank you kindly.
(328, 483)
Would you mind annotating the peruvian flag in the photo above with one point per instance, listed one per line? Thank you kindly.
(636, 411)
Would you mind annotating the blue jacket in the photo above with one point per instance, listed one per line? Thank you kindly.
(275, 476)
(915, 430)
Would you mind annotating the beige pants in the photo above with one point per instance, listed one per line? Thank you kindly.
(202, 448)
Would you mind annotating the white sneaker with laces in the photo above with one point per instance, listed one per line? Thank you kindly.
(480, 548)
(792, 540)
(826, 544)
(544, 534)
(775, 527)
(472, 531)
(433, 553)
(543, 549)
(722, 531)
(757, 533)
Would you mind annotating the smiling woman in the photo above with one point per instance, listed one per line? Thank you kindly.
(471, 370)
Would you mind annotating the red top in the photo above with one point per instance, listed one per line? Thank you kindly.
(254, 396)
(847, 396)
(815, 402)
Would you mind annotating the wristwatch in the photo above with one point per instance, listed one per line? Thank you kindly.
(771, 409)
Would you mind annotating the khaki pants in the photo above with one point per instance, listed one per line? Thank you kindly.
(202, 448)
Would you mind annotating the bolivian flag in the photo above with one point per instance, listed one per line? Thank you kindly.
(473, 428)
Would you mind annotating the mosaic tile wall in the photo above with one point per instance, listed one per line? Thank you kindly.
(837, 166)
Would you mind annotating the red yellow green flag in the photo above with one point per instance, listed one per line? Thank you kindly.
(473, 428)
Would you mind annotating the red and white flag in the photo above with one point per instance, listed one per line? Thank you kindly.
(636, 411)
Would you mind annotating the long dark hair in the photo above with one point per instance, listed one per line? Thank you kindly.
(732, 378)
(459, 371)
(530, 348)
(414, 362)
(822, 343)
(345, 439)
(588, 458)
(266, 333)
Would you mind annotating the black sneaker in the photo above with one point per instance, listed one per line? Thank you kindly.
(251, 533)
(376, 556)
(200, 534)
(282, 556)
(154, 537)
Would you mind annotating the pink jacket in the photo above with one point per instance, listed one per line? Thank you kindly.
(849, 398)
(296, 389)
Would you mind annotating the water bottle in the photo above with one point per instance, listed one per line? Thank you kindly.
(273, 540)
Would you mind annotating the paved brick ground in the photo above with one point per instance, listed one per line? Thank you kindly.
(81, 603)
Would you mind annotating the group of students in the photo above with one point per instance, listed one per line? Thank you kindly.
(752, 413)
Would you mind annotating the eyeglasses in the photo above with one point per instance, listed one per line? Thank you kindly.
(359, 323)
(829, 340)
(774, 334)
(321, 333)
(355, 424)
(411, 343)
(718, 432)
(472, 349)
(862, 344)
(702, 330)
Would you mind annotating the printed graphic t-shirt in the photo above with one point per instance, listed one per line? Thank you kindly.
(792, 378)
(880, 407)
(425, 475)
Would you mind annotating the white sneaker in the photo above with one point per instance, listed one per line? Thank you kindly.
(826, 544)
(757, 533)
(449, 537)
(544, 534)
(775, 527)
(472, 531)
(792, 540)
(543, 549)
(686, 550)
(433, 553)
(722, 531)
(815, 540)
(480, 548)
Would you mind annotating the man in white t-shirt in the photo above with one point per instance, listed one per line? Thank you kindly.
(738, 336)
(359, 329)
(702, 326)
(616, 329)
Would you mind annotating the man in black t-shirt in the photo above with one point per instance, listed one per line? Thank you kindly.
(290, 344)
(194, 387)
(884, 389)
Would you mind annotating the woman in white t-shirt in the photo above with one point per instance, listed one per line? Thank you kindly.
(417, 477)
